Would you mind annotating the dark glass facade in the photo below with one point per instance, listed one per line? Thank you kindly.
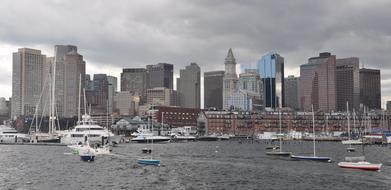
(271, 71)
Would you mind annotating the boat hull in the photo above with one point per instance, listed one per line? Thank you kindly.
(312, 158)
(279, 153)
(360, 165)
(87, 158)
(149, 162)
(150, 140)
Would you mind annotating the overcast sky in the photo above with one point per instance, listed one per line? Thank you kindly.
(112, 35)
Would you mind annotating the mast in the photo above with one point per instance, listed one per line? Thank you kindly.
(348, 118)
(78, 107)
(279, 118)
(313, 127)
(52, 99)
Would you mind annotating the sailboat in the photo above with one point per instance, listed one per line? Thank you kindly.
(150, 161)
(52, 136)
(280, 152)
(359, 163)
(350, 148)
(314, 157)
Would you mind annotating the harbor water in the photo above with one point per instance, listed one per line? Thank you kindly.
(195, 165)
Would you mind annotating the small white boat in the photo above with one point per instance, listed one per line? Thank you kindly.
(10, 135)
(359, 163)
(87, 155)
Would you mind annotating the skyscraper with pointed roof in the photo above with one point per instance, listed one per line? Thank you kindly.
(230, 79)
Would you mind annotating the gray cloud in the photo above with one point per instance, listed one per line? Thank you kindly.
(136, 33)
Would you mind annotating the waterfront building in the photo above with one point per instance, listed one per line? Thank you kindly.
(348, 83)
(176, 116)
(370, 90)
(189, 87)
(29, 73)
(135, 81)
(230, 80)
(160, 75)
(271, 70)
(112, 89)
(249, 123)
(291, 85)
(213, 89)
(161, 96)
(317, 83)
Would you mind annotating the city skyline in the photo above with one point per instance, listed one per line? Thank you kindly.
(137, 38)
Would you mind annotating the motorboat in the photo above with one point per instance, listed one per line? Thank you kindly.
(146, 137)
(352, 142)
(87, 129)
(86, 154)
(10, 135)
(149, 162)
(359, 163)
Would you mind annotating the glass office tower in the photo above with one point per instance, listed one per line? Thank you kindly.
(271, 71)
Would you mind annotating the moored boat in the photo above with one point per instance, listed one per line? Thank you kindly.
(359, 163)
(312, 158)
(149, 162)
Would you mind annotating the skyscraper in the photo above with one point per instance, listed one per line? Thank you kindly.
(348, 83)
(29, 74)
(160, 75)
(135, 81)
(188, 86)
(370, 93)
(112, 88)
(291, 85)
(317, 83)
(213, 89)
(97, 97)
(162, 96)
(248, 97)
(74, 74)
(271, 70)
(59, 58)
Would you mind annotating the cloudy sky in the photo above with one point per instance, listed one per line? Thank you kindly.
(116, 34)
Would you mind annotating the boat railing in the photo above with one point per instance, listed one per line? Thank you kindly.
(355, 159)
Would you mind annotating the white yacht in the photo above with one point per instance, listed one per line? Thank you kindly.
(87, 130)
(9, 135)
(147, 137)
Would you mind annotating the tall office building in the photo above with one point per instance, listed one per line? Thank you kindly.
(317, 83)
(112, 89)
(348, 83)
(29, 73)
(189, 87)
(291, 86)
(97, 97)
(162, 96)
(74, 76)
(271, 70)
(248, 97)
(230, 79)
(160, 75)
(135, 81)
(123, 102)
(370, 91)
(61, 72)
(213, 89)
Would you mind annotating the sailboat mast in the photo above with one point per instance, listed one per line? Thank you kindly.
(279, 118)
(313, 128)
(78, 107)
(348, 118)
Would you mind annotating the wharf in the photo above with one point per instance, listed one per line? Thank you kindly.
(34, 144)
